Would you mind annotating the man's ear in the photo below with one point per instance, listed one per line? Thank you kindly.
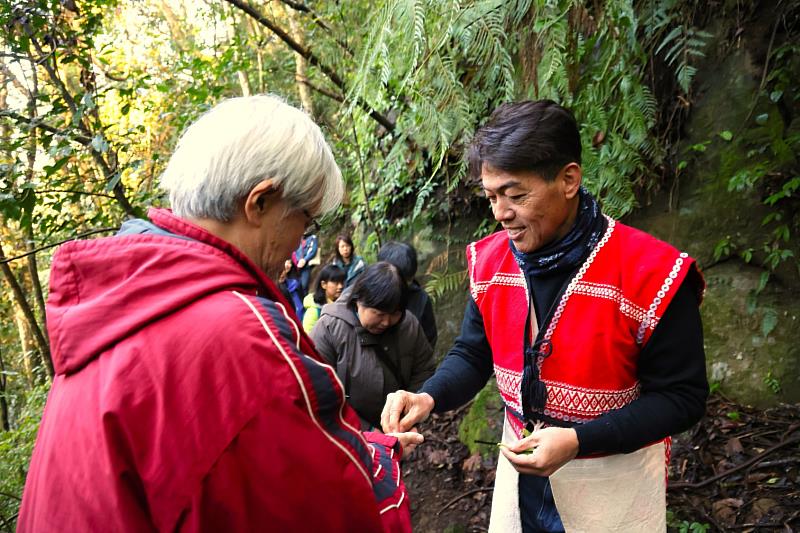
(259, 200)
(572, 176)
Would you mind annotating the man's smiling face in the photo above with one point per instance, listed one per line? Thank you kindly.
(533, 211)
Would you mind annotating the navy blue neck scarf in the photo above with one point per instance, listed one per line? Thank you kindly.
(569, 252)
(560, 257)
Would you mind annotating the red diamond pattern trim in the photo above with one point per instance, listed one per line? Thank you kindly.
(576, 403)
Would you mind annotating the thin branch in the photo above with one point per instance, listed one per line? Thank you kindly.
(362, 174)
(18, 57)
(69, 191)
(460, 496)
(11, 520)
(298, 6)
(312, 59)
(319, 21)
(726, 473)
(38, 123)
(108, 173)
(4, 260)
(106, 73)
(321, 90)
(287, 39)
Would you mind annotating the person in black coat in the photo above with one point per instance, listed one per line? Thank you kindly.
(404, 257)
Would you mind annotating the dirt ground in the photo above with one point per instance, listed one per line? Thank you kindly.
(737, 470)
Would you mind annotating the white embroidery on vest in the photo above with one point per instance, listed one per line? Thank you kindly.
(581, 272)
(508, 383)
(650, 320)
(472, 260)
(610, 292)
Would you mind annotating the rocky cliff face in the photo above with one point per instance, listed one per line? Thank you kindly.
(751, 335)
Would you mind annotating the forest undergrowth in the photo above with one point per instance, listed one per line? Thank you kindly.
(737, 470)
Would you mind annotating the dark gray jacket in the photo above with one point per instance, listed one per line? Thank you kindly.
(372, 366)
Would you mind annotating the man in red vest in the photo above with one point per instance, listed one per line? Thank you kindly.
(591, 328)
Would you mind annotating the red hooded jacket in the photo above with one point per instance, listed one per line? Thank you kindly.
(187, 398)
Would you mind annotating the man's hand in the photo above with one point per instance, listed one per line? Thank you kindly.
(301, 263)
(554, 448)
(403, 410)
(408, 440)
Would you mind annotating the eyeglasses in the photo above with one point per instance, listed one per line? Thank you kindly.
(312, 223)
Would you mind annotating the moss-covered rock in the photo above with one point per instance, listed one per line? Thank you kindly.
(751, 342)
(483, 421)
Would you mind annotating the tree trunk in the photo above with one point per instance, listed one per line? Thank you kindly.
(33, 141)
(241, 75)
(26, 344)
(300, 64)
(4, 421)
(19, 297)
(36, 283)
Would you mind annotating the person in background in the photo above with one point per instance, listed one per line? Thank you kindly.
(289, 285)
(375, 346)
(327, 288)
(347, 259)
(305, 255)
(404, 257)
(591, 328)
(187, 397)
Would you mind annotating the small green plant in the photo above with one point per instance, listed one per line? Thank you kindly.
(735, 416)
(684, 526)
(772, 384)
(693, 527)
(723, 248)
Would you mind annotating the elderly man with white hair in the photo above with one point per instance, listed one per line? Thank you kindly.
(187, 397)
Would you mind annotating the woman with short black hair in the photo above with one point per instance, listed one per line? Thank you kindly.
(375, 346)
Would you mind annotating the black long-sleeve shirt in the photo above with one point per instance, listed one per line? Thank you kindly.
(671, 372)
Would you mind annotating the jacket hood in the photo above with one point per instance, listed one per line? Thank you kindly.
(342, 311)
(104, 290)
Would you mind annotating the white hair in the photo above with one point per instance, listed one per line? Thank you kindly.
(242, 141)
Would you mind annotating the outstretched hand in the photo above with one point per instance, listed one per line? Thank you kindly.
(403, 410)
(553, 448)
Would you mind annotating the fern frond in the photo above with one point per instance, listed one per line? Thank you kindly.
(440, 284)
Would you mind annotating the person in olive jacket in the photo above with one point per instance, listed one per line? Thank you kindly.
(375, 346)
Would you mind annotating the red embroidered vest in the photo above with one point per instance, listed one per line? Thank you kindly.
(603, 320)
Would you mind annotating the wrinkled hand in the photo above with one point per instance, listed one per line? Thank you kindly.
(408, 440)
(403, 410)
(554, 448)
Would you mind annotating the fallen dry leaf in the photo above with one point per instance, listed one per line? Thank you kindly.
(733, 447)
(725, 510)
(472, 463)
